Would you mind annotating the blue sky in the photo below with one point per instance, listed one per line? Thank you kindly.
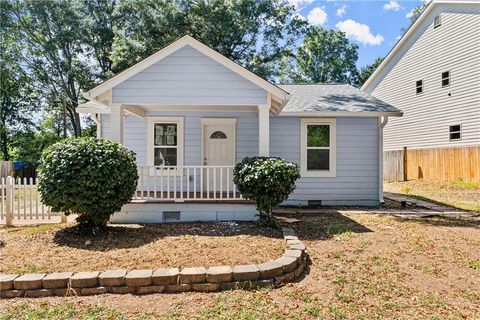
(373, 25)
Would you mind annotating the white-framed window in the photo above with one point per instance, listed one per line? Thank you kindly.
(445, 79)
(455, 132)
(318, 147)
(419, 86)
(437, 21)
(165, 141)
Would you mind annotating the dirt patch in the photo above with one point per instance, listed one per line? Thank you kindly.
(363, 266)
(60, 248)
(459, 194)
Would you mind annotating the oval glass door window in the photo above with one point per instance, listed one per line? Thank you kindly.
(218, 135)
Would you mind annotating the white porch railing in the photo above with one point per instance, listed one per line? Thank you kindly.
(181, 183)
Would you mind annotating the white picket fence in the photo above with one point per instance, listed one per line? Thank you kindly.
(20, 202)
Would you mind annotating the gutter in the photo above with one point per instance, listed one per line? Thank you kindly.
(381, 125)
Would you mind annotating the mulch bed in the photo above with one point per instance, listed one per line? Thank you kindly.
(60, 248)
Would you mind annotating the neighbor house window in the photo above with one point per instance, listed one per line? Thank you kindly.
(437, 21)
(419, 86)
(455, 132)
(318, 148)
(165, 141)
(445, 79)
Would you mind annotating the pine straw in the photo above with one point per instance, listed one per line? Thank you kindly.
(59, 248)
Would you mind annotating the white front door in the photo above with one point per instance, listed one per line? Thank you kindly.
(218, 150)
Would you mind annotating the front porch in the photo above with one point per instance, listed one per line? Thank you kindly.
(209, 184)
(186, 193)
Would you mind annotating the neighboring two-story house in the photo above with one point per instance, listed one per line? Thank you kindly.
(433, 75)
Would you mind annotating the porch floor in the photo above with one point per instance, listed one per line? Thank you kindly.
(192, 197)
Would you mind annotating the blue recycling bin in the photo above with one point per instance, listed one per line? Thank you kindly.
(18, 164)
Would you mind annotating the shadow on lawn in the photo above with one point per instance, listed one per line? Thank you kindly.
(323, 226)
(443, 221)
(134, 236)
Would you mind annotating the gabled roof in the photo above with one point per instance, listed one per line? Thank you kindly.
(276, 92)
(405, 38)
(326, 99)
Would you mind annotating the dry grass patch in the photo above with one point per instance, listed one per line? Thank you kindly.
(459, 194)
(363, 266)
(50, 248)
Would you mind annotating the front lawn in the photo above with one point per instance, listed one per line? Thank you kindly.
(459, 194)
(51, 248)
(363, 266)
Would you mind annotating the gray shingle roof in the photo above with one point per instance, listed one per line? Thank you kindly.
(332, 98)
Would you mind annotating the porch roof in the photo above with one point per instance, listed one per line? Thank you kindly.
(333, 98)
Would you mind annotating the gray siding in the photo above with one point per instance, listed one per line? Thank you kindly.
(357, 161)
(454, 47)
(356, 182)
(135, 133)
(188, 77)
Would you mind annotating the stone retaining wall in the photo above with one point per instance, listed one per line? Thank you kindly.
(272, 273)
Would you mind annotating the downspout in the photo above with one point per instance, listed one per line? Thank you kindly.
(381, 125)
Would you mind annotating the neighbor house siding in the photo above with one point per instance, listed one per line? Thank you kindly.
(188, 77)
(135, 133)
(454, 47)
(356, 180)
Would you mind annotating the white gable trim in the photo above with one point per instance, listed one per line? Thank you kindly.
(176, 45)
(367, 86)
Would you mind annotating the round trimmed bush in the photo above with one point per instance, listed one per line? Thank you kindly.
(268, 181)
(90, 177)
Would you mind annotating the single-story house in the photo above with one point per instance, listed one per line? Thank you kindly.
(191, 114)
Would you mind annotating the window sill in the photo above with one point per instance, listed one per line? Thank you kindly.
(157, 172)
(318, 174)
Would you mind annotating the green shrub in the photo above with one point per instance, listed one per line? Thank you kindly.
(266, 180)
(90, 177)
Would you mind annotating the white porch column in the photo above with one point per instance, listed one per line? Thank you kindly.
(116, 115)
(263, 130)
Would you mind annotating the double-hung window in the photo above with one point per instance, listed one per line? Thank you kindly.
(455, 132)
(165, 141)
(445, 79)
(318, 148)
(419, 86)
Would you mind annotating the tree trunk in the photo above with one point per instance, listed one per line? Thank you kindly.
(78, 129)
(4, 144)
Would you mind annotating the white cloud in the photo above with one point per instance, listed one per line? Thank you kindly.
(392, 5)
(317, 16)
(341, 11)
(410, 14)
(398, 37)
(360, 32)
(299, 3)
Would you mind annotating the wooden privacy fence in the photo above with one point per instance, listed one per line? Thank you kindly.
(9, 169)
(6, 169)
(393, 165)
(433, 164)
(20, 201)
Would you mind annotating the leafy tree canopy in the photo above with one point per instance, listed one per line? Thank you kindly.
(16, 91)
(366, 72)
(253, 33)
(325, 56)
